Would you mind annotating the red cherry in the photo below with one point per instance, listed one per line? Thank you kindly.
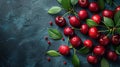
(107, 13)
(84, 28)
(117, 9)
(65, 62)
(48, 58)
(111, 55)
(60, 21)
(64, 50)
(104, 40)
(51, 23)
(93, 7)
(68, 31)
(49, 42)
(83, 14)
(75, 41)
(88, 43)
(116, 39)
(96, 18)
(83, 3)
(93, 32)
(92, 59)
(99, 50)
(74, 21)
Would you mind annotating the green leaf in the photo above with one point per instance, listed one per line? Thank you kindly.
(54, 10)
(75, 61)
(91, 23)
(104, 63)
(83, 50)
(118, 30)
(74, 2)
(54, 34)
(108, 22)
(66, 4)
(53, 53)
(117, 19)
(118, 50)
(59, 1)
(101, 4)
(110, 2)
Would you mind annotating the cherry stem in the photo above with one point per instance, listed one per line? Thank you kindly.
(66, 13)
(75, 28)
(103, 30)
(74, 50)
(115, 4)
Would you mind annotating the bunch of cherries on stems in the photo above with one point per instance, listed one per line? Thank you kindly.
(92, 32)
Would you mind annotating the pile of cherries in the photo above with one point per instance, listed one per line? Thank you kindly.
(92, 32)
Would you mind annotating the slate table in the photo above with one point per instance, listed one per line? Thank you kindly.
(23, 25)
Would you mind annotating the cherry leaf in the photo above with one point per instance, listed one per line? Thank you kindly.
(59, 1)
(117, 19)
(108, 22)
(104, 63)
(83, 50)
(110, 2)
(118, 50)
(66, 4)
(118, 30)
(54, 10)
(91, 23)
(75, 61)
(53, 53)
(101, 4)
(74, 2)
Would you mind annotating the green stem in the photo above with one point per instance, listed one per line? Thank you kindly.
(66, 13)
(74, 50)
(115, 4)
(103, 30)
(75, 28)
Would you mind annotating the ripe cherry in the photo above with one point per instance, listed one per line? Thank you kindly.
(68, 31)
(99, 50)
(116, 39)
(84, 28)
(93, 32)
(111, 55)
(93, 7)
(104, 40)
(74, 21)
(92, 59)
(83, 14)
(75, 41)
(96, 18)
(83, 3)
(88, 43)
(64, 50)
(117, 9)
(107, 13)
(60, 21)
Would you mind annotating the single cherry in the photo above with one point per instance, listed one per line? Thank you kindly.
(84, 28)
(75, 41)
(116, 39)
(83, 3)
(111, 55)
(60, 21)
(88, 43)
(107, 13)
(64, 50)
(117, 9)
(96, 18)
(83, 14)
(92, 59)
(93, 32)
(68, 31)
(99, 50)
(74, 21)
(93, 7)
(104, 40)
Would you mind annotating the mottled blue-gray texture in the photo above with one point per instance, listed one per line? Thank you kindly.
(23, 25)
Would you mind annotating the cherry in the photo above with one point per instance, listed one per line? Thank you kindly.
(107, 13)
(111, 55)
(60, 21)
(99, 50)
(68, 31)
(88, 43)
(116, 39)
(65, 62)
(104, 40)
(84, 28)
(83, 14)
(93, 32)
(117, 9)
(51, 23)
(83, 3)
(49, 42)
(92, 59)
(96, 18)
(93, 7)
(74, 21)
(75, 41)
(48, 58)
(64, 50)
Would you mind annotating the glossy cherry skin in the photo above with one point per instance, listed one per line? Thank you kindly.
(83, 3)
(96, 18)
(93, 32)
(64, 50)
(104, 40)
(68, 31)
(107, 13)
(74, 21)
(84, 29)
(117, 9)
(93, 7)
(92, 59)
(115, 39)
(83, 14)
(60, 21)
(75, 41)
(88, 43)
(99, 50)
(111, 55)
